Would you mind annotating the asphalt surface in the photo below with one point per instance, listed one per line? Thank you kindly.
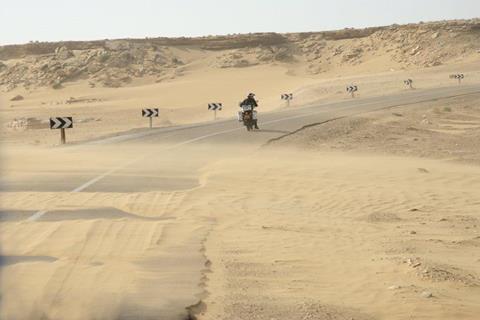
(164, 167)
(285, 121)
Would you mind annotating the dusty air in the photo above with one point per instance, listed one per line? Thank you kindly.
(314, 163)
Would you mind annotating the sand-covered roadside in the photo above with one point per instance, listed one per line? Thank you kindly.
(447, 129)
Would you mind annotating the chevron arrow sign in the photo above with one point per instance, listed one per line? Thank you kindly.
(352, 88)
(457, 76)
(215, 106)
(61, 123)
(287, 96)
(150, 113)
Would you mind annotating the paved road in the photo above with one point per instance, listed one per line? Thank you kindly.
(275, 124)
(229, 132)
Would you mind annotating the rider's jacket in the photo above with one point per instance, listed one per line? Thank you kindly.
(249, 102)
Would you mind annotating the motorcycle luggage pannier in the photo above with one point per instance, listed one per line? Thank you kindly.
(254, 115)
(240, 116)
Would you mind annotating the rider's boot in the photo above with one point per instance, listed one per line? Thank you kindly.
(255, 124)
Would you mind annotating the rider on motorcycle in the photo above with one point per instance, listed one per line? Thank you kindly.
(250, 101)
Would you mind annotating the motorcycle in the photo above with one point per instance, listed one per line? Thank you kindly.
(248, 116)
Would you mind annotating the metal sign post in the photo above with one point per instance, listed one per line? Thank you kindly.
(61, 123)
(63, 139)
(150, 114)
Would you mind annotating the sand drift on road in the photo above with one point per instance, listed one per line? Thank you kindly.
(276, 233)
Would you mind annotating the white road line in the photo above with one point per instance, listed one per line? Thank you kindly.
(37, 215)
(202, 138)
(100, 177)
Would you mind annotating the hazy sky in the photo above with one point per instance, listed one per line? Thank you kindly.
(51, 20)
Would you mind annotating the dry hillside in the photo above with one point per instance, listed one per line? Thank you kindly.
(115, 63)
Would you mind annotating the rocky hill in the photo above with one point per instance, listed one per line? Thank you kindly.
(114, 63)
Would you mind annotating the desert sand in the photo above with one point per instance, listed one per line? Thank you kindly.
(317, 233)
(374, 216)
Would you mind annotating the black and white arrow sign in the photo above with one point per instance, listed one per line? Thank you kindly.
(215, 106)
(352, 88)
(287, 96)
(457, 76)
(61, 123)
(150, 113)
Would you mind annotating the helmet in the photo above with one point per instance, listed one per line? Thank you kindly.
(251, 95)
